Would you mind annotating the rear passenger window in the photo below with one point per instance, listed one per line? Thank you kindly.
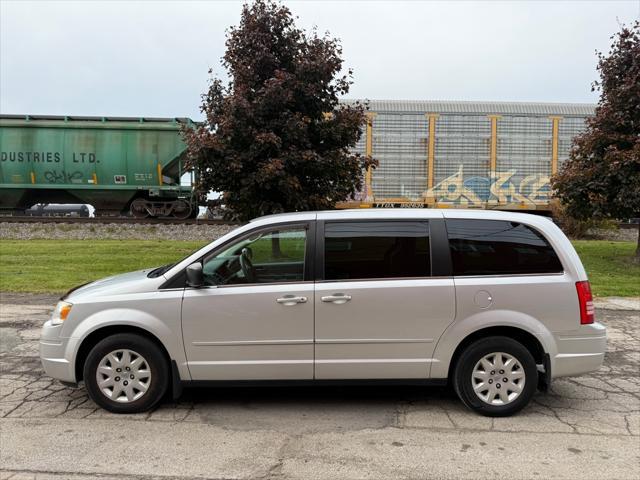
(361, 250)
(494, 247)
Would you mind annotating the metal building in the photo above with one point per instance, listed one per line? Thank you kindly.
(466, 154)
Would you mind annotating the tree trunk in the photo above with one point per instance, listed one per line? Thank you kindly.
(638, 246)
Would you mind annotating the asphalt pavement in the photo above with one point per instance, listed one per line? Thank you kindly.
(585, 428)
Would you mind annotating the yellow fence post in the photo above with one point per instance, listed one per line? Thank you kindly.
(369, 153)
(555, 127)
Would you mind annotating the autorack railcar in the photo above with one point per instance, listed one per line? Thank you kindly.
(448, 154)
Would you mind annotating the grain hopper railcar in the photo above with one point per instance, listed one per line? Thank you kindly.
(120, 166)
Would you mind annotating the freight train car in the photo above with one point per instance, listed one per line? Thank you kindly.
(431, 154)
(466, 154)
(120, 166)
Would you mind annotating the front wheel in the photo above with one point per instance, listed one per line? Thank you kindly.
(495, 376)
(126, 373)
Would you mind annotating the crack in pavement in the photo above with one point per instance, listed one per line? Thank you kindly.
(604, 404)
(614, 392)
(614, 396)
(104, 476)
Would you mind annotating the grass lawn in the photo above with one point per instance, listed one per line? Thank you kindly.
(610, 267)
(57, 265)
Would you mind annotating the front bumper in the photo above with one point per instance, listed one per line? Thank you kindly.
(581, 351)
(53, 354)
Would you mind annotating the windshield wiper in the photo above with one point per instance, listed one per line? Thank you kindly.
(156, 272)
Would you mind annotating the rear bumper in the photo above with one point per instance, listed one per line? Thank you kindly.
(580, 352)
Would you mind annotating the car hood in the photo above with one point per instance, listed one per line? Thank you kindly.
(131, 282)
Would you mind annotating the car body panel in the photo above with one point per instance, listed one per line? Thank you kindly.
(392, 328)
(387, 330)
(242, 333)
(156, 312)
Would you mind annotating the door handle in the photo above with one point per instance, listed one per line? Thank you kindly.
(291, 300)
(337, 298)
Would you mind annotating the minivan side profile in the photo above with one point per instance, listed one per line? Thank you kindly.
(495, 303)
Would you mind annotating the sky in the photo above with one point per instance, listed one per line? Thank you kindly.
(150, 58)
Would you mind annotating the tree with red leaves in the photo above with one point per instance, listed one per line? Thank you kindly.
(601, 179)
(275, 137)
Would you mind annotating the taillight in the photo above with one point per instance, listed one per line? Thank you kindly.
(586, 303)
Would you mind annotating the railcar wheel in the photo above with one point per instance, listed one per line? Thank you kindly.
(139, 208)
(181, 210)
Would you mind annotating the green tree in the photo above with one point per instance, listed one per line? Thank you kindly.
(601, 179)
(275, 137)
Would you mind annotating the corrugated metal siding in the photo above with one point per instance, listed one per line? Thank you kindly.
(569, 127)
(461, 155)
(524, 147)
(474, 108)
(400, 145)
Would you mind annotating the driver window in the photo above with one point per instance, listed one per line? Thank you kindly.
(273, 256)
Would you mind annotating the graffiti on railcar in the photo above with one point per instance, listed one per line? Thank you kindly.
(499, 189)
(61, 176)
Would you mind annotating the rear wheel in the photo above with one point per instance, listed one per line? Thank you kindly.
(495, 376)
(126, 373)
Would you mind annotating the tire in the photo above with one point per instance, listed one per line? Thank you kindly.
(476, 366)
(147, 365)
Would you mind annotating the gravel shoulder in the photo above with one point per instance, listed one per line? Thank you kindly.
(110, 231)
(117, 231)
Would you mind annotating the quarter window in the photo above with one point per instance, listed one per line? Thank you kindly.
(266, 257)
(363, 250)
(494, 247)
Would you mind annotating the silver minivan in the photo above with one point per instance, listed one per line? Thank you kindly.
(494, 303)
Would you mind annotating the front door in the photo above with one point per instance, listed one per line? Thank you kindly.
(254, 318)
(379, 310)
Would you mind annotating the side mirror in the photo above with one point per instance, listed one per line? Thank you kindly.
(195, 278)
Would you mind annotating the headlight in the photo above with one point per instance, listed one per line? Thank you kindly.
(61, 313)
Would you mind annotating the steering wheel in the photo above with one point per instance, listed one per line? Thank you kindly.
(214, 278)
(247, 266)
